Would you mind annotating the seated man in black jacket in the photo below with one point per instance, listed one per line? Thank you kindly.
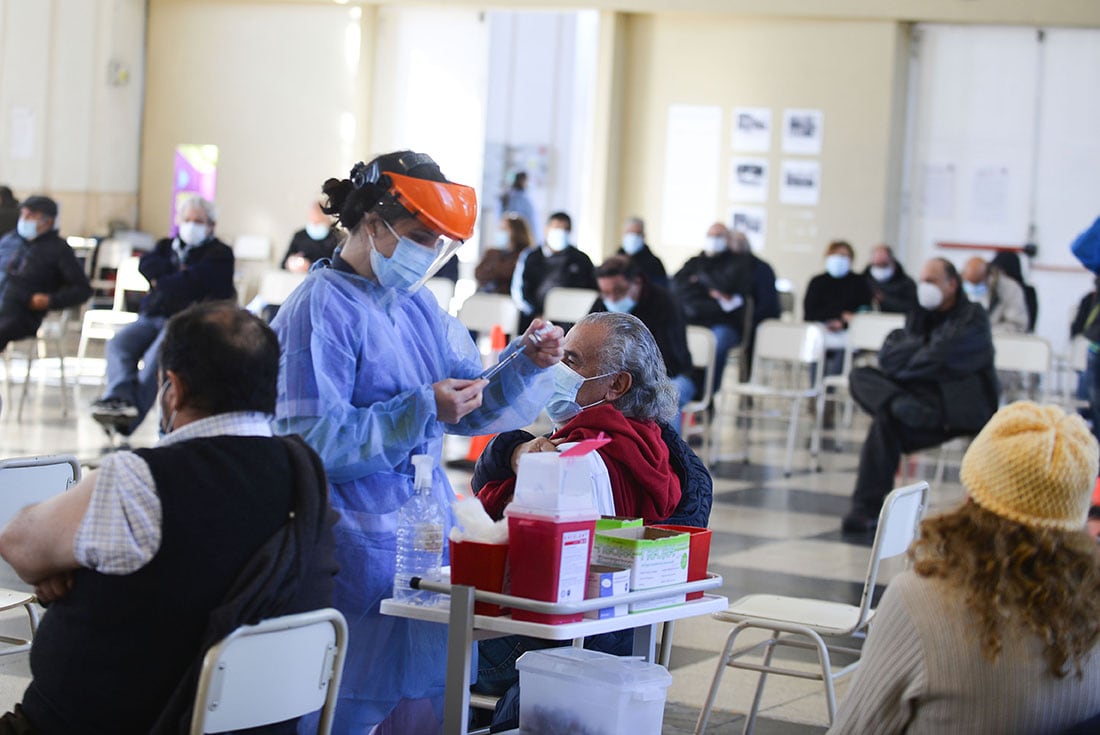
(191, 267)
(712, 289)
(311, 243)
(38, 271)
(557, 262)
(935, 381)
(892, 290)
(625, 289)
(161, 552)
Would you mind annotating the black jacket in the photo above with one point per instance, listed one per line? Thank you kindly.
(569, 268)
(310, 249)
(828, 298)
(696, 486)
(205, 274)
(727, 272)
(47, 265)
(947, 357)
(650, 265)
(661, 315)
(9, 217)
(896, 295)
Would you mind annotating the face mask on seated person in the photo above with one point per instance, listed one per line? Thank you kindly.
(882, 273)
(193, 233)
(557, 239)
(632, 243)
(27, 228)
(975, 291)
(929, 296)
(317, 230)
(563, 405)
(837, 265)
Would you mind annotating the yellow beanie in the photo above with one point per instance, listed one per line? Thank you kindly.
(1035, 465)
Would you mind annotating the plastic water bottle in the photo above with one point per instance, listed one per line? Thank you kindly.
(420, 534)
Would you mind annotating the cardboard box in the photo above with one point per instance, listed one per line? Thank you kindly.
(655, 557)
(610, 523)
(605, 582)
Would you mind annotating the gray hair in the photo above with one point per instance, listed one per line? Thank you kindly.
(630, 347)
(634, 221)
(197, 202)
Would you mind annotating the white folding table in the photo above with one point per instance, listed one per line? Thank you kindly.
(465, 627)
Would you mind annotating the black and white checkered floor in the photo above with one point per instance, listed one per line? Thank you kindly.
(770, 534)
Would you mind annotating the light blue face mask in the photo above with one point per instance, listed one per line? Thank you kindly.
(405, 267)
(317, 230)
(563, 401)
(975, 291)
(27, 229)
(625, 305)
(632, 243)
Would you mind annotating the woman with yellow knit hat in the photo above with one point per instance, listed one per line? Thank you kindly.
(995, 628)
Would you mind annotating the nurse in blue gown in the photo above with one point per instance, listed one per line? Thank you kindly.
(372, 372)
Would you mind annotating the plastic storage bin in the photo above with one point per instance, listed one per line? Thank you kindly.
(588, 693)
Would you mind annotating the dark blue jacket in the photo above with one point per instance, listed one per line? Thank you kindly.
(205, 274)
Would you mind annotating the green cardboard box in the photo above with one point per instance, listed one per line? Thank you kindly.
(610, 523)
(655, 558)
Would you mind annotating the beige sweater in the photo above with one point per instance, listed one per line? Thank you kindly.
(923, 672)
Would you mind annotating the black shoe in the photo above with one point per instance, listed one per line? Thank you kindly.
(113, 408)
(858, 522)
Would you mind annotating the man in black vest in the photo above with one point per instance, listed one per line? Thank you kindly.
(162, 552)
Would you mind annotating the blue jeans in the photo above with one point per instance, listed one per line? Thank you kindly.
(685, 389)
(728, 337)
(136, 342)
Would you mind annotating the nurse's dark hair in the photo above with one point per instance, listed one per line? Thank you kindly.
(227, 358)
(367, 190)
(629, 347)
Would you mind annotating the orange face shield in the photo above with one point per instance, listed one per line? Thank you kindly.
(445, 208)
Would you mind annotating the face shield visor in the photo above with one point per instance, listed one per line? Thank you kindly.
(447, 209)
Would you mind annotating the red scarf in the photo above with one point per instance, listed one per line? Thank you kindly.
(643, 483)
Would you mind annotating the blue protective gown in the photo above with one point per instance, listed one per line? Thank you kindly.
(355, 381)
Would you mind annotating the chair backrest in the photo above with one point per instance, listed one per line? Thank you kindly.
(1025, 353)
(568, 305)
(278, 669)
(110, 254)
(252, 247)
(867, 331)
(481, 311)
(785, 290)
(898, 525)
(703, 347)
(28, 480)
(797, 344)
(277, 285)
(128, 278)
(443, 289)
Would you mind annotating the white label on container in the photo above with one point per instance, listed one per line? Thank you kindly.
(573, 573)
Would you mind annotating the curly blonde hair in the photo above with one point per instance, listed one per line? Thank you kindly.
(1048, 579)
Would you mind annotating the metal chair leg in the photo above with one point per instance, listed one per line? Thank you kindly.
(723, 662)
(792, 435)
(750, 720)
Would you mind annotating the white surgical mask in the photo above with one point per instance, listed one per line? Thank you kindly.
(714, 245)
(929, 296)
(837, 265)
(193, 233)
(632, 243)
(502, 239)
(557, 239)
(27, 228)
(563, 401)
(882, 273)
(317, 230)
(405, 267)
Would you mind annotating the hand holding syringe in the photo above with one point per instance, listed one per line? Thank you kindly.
(543, 346)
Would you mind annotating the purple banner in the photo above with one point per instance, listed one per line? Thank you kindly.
(195, 172)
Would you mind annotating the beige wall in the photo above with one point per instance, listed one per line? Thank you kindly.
(280, 89)
(848, 69)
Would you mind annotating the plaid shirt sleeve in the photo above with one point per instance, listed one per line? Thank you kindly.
(121, 530)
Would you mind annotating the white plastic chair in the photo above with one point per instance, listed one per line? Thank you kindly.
(703, 347)
(277, 285)
(482, 311)
(784, 354)
(443, 289)
(866, 333)
(1025, 354)
(108, 256)
(270, 672)
(1075, 363)
(568, 305)
(103, 324)
(52, 331)
(25, 481)
(252, 257)
(805, 623)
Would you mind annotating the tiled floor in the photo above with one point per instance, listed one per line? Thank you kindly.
(770, 534)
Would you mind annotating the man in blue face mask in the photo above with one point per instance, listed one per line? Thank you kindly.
(1002, 297)
(624, 289)
(38, 271)
(318, 239)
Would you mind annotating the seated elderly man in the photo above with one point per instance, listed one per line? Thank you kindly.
(611, 380)
(162, 552)
(935, 381)
(191, 267)
(1001, 296)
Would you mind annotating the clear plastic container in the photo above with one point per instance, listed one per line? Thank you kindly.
(588, 693)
